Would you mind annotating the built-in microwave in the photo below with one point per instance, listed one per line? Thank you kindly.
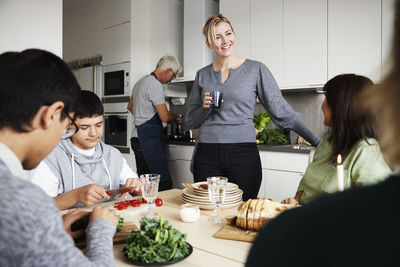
(116, 80)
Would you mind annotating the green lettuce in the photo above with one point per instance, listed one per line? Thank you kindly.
(157, 241)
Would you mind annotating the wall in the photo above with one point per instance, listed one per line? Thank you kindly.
(31, 24)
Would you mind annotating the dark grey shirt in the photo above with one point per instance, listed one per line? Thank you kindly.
(32, 231)
(233, 123)
(147, 93)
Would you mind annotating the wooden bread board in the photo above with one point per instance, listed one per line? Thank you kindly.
(235, 233)
(119, 237)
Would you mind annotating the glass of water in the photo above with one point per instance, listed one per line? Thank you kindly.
(149, 184)
(216, 193)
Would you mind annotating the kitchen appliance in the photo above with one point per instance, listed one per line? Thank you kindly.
(116, 80)
(90, 78)
(117, 126)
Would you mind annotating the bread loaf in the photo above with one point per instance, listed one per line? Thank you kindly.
(254, 214)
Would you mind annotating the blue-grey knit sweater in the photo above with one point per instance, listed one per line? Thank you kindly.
(32, 231)
(233, 123)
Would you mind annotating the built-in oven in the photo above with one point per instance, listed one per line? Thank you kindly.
(117, 126)
(116, 80)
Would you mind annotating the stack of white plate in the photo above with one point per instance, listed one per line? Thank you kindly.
(199, 196)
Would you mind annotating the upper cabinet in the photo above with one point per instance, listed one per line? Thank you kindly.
(196, 54)
(387, 34)
(166, 35)
(305, 43)
(238, 12)
(266, 38)
(354, 38)
(97, 27)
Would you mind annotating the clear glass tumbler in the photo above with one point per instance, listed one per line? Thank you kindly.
(216, 193)
(149, 184)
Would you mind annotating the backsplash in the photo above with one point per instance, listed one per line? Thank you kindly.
(307, 103)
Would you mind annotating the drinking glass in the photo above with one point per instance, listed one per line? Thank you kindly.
(216, 193)
(149, 184)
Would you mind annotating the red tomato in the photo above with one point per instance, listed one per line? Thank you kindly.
(159, 202)
(144, 200)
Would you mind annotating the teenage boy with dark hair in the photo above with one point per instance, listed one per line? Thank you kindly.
(81, 168)
(37, 96)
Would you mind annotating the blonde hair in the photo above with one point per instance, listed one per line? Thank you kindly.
(169, 62)
(383, 99)
(209, 28)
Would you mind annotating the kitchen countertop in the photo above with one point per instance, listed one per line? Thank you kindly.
(293, 148)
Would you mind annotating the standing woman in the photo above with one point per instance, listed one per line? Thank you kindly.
(227, 139)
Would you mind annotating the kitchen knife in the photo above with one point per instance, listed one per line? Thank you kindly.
(122, 190)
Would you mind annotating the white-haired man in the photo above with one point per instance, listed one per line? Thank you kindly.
(147, 104)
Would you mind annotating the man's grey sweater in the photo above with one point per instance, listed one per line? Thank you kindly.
(32, 231)
(233, 123)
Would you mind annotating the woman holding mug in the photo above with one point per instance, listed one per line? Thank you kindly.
(227, 139)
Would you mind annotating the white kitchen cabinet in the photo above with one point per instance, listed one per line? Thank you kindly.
(238, 12)
(115, 12)
(282, 172)
(387, 34)
(304, 43)
(281, 184)
(196, 54)
(116, 44)
(266, 37)
(354, 38)
(99, 27)
(178, 159)
(166, 36)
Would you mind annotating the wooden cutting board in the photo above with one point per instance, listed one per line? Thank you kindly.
(235, 233)
(119, 237)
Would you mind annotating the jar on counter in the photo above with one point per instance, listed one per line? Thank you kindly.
(190, 212)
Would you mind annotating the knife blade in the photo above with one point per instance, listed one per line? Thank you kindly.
(122, 190)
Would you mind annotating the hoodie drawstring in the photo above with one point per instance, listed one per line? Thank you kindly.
(73, 171)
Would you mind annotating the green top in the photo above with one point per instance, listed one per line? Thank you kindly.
(362, 166)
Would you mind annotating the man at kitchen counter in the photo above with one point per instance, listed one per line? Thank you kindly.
(147, 104)
(82, 167)
(37, 96)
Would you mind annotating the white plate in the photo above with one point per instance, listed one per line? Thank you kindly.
(229, 187)
(190, 193)
(211, 207)
(205, 193)
(206, 201)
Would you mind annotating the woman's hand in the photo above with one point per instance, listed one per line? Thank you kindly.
(295, 200)
(69, 218)
(290, 200)
(208, 100)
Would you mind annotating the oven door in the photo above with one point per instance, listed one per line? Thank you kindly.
(114, 83)
(116, 130)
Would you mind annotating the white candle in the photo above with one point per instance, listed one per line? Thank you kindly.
(339, 174)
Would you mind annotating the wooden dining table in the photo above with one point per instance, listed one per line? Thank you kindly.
(207, 250)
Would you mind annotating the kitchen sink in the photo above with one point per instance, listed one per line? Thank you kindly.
(298, 146)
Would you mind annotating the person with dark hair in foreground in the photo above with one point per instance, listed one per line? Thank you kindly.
(358, 227)
(37, 97)
(82, 167)
(352, 135)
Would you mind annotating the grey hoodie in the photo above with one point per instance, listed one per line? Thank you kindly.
(75, 170)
